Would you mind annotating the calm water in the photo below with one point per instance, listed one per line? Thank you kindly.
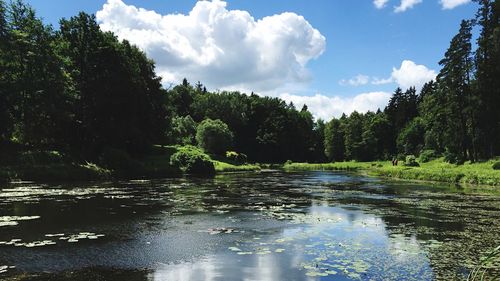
(262, 226)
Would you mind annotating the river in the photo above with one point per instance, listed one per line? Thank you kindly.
(250, 226)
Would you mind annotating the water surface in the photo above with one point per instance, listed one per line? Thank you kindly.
(255, 226)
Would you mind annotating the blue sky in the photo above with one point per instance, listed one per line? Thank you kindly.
(345, 45)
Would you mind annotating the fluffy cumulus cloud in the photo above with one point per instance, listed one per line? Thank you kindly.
(405, 5)
(451, 4)
(325, 107)
(355, 81)
(221, 48)
(411, 74)
(379, 4)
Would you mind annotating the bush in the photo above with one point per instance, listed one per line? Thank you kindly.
(411, 161)
(40, 157)
(453, 158)
(214, 136)
(428, 155)
(236, 157)
(193, 162)
(496, 165)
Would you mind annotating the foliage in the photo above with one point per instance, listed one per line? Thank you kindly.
(183, 130)
(486, 262)
(193, 161)
(411, 161)
(236, 157)
(411, 137)
(496, 165)
(80, 90)
(427, 155)
(214, 136)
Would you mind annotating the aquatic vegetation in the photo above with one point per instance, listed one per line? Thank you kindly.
(491, 260)
(219, 230)
(14, 220)
(75, 238)
(5, 268)
(331, 224)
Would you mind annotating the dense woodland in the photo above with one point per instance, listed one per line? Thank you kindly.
(80, 90)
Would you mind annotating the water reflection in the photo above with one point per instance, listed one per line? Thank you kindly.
(271, 226)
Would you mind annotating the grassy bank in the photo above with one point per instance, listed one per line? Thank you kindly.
(24, 164)
(224, 167)
(436, 170)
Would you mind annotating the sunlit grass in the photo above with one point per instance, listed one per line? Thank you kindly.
(436, 170)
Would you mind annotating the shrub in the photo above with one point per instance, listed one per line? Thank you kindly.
(40, 157)
(496, 165)
(193, 162)
(214, 136)
(428, 155)
(452, 157)
(231, 155)
(411, 161)
(236, 157)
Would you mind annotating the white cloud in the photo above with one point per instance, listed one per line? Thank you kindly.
(451, 4)
(412, 75)
(355, 81)
(379, 4)
(327, 107)
(378, 81)
(221, 48)
(405, 5)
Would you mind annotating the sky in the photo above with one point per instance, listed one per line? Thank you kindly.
(335, 56)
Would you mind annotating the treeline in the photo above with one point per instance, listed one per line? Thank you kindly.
(76, 88)
(80, 90)
(266, 129)
(457, 115)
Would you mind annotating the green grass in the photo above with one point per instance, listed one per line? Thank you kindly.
(436, 170)
(228, 167)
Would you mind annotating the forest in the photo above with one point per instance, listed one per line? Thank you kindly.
(80, 91)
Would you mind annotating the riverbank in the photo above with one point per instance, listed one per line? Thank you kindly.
(435, 171)
(56, 166)
(26, 165)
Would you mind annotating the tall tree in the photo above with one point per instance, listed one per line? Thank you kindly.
(488, 70)
(119, 96)
(454, 83)
(38, 83)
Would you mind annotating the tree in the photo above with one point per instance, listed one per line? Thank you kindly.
(119, 97)
(454, 84)
(411, 139)
(6, 120)
(183, 130)
(402, 107)
(39, 87)
(376, 136)
(214, 136)
(334, 140)
(487, 59)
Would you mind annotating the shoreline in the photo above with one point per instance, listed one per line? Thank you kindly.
(433, 172)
